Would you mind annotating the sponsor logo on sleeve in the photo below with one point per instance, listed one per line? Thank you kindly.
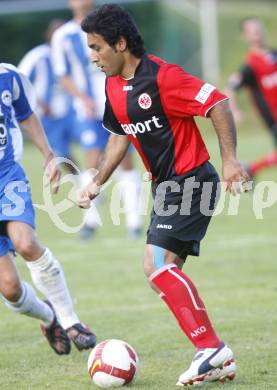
(204, 93)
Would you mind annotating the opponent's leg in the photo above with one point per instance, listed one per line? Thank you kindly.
(91, 218)
(21, 298)
(130, 190)
(49, 279)
(163, 268)
(89, 136)
(268, 161)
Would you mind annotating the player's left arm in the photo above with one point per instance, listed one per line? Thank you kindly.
(233, 173)
(184, 95)
(35, 132)
(24, 102)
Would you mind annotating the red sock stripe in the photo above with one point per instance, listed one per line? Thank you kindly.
(196, 300)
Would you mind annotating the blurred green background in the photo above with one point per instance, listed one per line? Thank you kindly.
(170, 30)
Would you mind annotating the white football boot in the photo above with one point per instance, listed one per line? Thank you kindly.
(209, 365)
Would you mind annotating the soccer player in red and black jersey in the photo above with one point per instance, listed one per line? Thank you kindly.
(259, 76)
(152, 104)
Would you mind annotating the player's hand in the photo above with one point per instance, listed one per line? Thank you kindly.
(52, 171)
(236, 179)
(85, 195)
(45, 108)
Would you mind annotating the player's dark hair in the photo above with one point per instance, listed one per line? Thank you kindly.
(113, 22)
(247, 19)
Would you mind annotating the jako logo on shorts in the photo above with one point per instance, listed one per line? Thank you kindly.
(141, 127)
(159, 226)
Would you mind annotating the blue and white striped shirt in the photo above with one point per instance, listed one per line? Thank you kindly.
(16, 104)
(37, 65)
(71, 58)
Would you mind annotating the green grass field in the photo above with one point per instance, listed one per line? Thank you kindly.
(236, 276)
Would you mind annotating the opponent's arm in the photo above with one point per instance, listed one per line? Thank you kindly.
(34, 130)
(234, 83)
(223, 123)
(71, 87)
(60, 57)
(115, 150)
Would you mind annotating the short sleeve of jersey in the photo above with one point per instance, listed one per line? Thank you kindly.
(23, 97)
(110, 122)
(185, 95)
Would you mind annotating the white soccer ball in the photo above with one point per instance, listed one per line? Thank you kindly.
(112, 363)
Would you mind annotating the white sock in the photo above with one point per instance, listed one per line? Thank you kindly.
(48, 277)
(130, 187)
(92, 218)
(30, 305)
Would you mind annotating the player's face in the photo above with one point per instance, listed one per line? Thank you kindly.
(109, 60)
(253, 32)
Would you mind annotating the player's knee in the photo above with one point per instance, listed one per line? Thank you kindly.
(27, 247)
(148, 261)
(11, 288)
(154, 259)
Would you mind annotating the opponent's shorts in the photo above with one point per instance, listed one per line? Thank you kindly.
(15, 204)
(183, 207)
(60, 133)
(90, 134)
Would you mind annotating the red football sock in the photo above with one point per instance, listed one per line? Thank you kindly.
(183, 300)
(269, 160)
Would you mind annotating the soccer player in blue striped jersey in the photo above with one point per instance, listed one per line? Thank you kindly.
(54, 105)
(72, 66)
(60, 323)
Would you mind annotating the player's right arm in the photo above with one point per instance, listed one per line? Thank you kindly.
(115, 151)
(71, 87)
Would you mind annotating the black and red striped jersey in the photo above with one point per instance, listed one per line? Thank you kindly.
(156, 110)
(259, 73)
